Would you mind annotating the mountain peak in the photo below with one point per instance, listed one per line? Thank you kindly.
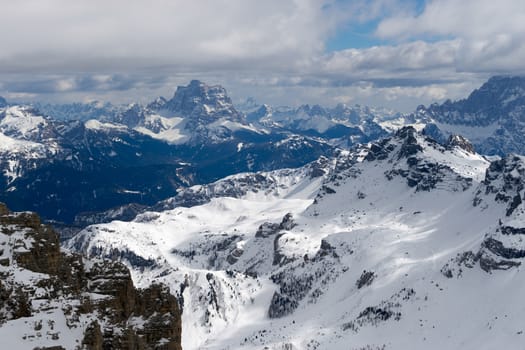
(492, 115)
(498, 91)
(196, 82)
(461, 142)
(158, 104)
(505, 79)
(311, 111)
(494, 99)
(199, 100)
(3, 102)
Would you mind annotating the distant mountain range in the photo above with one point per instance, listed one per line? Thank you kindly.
(70, 162)
(343, 125)
(491, 117)
(134, 154)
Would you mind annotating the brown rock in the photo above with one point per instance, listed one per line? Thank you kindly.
(101, 290)
(93, 337)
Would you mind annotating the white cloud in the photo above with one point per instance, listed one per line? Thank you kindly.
(490, 34)
(126, 50)
(466, 18)
(382, 61)
(112, 34)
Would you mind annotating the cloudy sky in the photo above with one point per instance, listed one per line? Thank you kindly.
(394, 53)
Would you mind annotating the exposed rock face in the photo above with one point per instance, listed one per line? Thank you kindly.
(493, 115)
(504, 179)
(306, 279)
(495, 99)
(410, 145)
(461, 142)
(101, 307)
(201, 100)
(134, 115)
(158, 104)
(404, 151)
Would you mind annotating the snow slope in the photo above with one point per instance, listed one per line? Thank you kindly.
(21, 142)
(400, 244)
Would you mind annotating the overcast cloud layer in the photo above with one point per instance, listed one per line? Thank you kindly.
(275, 50)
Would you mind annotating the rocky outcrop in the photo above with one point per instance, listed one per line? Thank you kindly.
(502, 250)
(410, 145)
(405, 150)
(102, 308)
(493, 115)
(504, 180)
(198, 100)
(305, 278)
(461, 142)
(366, 279)
(380, 150)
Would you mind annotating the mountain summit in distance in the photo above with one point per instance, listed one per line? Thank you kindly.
(71, 170)
(200, 100)
(492, 117)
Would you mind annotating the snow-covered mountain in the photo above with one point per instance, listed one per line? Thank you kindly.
(197, 113)
(80, 111)
(133, 154)
(344, 125)
(199, 100)
(403, 243)
(53, 299)
(61, 168)
(26, 139)
(105, 156)
(492, 117)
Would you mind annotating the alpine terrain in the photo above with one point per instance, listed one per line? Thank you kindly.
(86, 163)
(190, 223)
(402, 243)
(53, 299)
(69, 169)
(262, 175)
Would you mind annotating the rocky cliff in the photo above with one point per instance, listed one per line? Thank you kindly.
(50, 298)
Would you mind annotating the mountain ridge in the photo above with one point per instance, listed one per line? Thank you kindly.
(205, 138)
(492, 117)
(392, 238)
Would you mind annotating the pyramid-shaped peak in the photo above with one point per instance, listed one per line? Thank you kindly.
(461, 142)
